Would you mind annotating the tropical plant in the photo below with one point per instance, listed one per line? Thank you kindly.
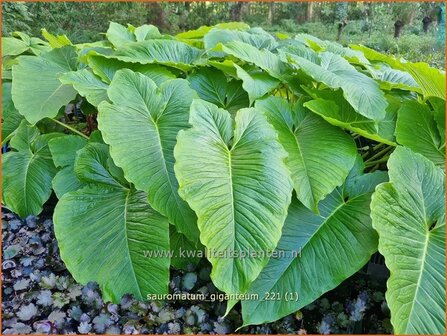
(228, 139)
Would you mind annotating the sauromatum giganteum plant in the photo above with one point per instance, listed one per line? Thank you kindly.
(232, 140)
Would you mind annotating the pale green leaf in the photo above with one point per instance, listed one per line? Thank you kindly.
(334, 108)
(320, 155)
(361, 91)
(409, 215)
(119, 35)
(265, 59)
(27, 173)
(36, 90)
(56, 41)
(141, 127)
(416, 129)
(166, 52)
(106, 69)
(212, 85)
(146, 32)
(203, 30)
(430, 80)
(256, 83)
(316, 253)
(103, 234)
(87, 84)
(218, 35)
(238, 184)
(12, 46)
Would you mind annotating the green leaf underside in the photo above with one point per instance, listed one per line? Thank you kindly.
(259, 41)
(240, 189)
(430, 80)
(318, 164)
(338, 112)
(109, 224)
(203, 30)
(361, 91)
(87, 84)
(263, 58)
(256, 83)
(409, 215)
(168, 52)
(212, 86)
(141, 127)
(416, 129)
(106, 68)
(319, 252)
(36, 90)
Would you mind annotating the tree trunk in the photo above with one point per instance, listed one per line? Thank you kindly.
(309, 11)
(156, 15)
(236, 11)
(340, 28)
(426, 22)
(270, 12)
(398, 28)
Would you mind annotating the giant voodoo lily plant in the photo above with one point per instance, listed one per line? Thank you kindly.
(227, 138)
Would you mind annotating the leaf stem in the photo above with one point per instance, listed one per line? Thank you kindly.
(373, 163)
(380, 145)
(379, 154)
(70, 128)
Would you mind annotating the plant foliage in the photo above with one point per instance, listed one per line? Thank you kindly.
(229, 139)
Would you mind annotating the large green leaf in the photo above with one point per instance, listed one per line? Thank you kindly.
(256, 82)
(320, 155)
(36, 90)
(167, 52)
(265, 59)
(212, 85)
(119, 35)
(260, 41)
(106, 69)
(63, 151)
(27, 172)
(87, 84)
(11, 118)
(430, 80)
(56, 41)
(361, 91)
(13, 46)
(145, 32)
(316, 253)
(409, 215)
(336, 110)
(21, 43)
(416, 129)
(141, 127)
(104, 231)
(239, 186)
(203, 30)
(393, 79)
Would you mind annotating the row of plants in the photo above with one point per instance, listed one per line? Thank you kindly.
(231, 140)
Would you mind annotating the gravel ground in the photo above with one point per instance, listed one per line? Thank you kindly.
(40, 296)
